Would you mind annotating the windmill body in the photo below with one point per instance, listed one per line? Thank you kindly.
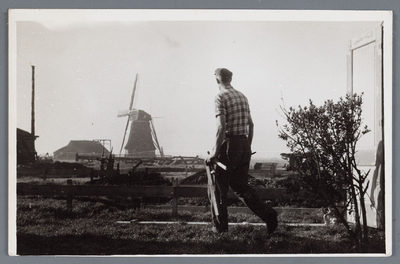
(140, 141)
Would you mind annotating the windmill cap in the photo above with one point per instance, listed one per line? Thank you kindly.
(223, 73)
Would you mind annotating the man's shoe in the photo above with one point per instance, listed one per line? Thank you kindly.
(216, 231)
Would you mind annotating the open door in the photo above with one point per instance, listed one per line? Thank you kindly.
(365, 69)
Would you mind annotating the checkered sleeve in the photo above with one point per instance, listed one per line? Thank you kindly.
(220, 108)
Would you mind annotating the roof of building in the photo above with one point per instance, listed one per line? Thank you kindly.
(84, 146)
(25, 134)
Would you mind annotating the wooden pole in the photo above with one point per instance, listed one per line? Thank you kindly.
(175, 198)
(33, 103)
(91, 175)
(69, 198)
(33, 114)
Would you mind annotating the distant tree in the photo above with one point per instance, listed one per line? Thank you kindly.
(323, 144)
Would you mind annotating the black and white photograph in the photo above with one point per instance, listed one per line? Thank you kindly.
(253, 133)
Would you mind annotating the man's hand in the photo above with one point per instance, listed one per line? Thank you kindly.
(212, 158)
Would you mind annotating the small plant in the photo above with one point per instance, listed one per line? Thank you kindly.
(323, 144)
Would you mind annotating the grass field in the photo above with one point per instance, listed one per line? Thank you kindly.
(45, 228)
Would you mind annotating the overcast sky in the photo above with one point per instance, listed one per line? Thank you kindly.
(85, 73)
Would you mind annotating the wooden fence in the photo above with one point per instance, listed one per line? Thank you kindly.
(174, 192)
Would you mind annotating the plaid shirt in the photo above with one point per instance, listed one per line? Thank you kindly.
(234, 105)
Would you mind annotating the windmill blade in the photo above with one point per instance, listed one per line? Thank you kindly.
(122, 113)
(162, 152)
(133, 93)
(123, 140)
(155, 139)
(130, 108)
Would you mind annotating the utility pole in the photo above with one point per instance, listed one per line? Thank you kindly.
(33, 113)
(33, 103)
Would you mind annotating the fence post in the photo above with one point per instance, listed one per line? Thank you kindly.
(69, 197)
(91, 175)
(141, 205)
(175, 198)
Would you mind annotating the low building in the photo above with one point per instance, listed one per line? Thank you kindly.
(26, 152)
(81, 147)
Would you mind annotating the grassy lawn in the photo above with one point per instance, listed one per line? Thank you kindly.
(45, 228)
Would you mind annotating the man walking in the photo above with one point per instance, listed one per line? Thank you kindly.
(233, 149)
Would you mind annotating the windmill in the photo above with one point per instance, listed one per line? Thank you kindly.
(142, 140)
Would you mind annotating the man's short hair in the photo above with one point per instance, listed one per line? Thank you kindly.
(224, 74)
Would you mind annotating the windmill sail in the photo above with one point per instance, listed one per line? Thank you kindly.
(130, 108)
(142, 140)
(122, 113)
(155, 139)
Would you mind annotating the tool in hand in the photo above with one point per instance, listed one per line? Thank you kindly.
(211, 183)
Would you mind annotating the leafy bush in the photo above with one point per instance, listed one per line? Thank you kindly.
(323, 142)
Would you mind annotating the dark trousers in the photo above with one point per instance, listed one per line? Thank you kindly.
(235, 153)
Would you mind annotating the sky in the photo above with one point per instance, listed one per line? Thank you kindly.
(85, 71)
